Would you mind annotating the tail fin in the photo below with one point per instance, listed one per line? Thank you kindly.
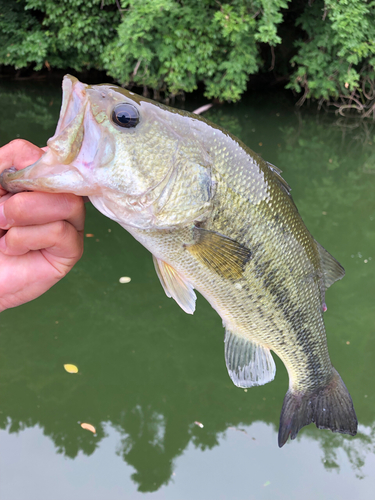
(329, 407)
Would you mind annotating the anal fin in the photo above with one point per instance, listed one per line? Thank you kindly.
(175, 286)
(248, 363)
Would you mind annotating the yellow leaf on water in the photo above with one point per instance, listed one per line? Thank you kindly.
(88, 427)
(71, 368)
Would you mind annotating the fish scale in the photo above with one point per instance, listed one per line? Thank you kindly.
(217, 218)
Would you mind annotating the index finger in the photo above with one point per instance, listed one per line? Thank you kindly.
(30, 209)
(19, 154)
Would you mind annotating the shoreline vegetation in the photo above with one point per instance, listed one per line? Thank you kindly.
(322, 51)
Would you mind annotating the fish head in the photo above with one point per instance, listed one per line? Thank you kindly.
(121, 150)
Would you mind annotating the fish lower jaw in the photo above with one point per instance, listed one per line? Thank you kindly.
(68, 182)
(127, 216)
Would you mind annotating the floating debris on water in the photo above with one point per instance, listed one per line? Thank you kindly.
(125, 279)
(347, 342)
(199, 424)
(88, 427)
(202, 109)
(71, 368)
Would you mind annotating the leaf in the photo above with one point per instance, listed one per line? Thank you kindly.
(71, 368)
(88, 427)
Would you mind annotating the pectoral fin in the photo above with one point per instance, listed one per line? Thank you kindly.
(248, 363)
(332, 269)
(175, 286)
(222, 254)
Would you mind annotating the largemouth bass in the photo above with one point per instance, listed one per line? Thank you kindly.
(217, 218)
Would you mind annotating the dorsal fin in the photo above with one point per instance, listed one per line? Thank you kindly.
(277, 173)
(248, 363)
(332, 269)
(222, 254)
(175, 286)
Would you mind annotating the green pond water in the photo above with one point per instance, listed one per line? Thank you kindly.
(148, 371)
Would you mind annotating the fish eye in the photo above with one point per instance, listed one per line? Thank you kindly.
(125, 115)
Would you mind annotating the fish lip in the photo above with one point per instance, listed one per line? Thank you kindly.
(4, 178)
(71, 88)
(56, 171)
(15, 182)
(67, 140)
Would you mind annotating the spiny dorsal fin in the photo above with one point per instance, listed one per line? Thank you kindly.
(332, 269)
(277, 173)
(248, 363)
(175, 286)
(222, 254)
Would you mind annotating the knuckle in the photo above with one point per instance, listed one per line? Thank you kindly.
(72, 203)
(12, 239)
(76, 245)
(18, 143)
(16, 207)
(60, 229)
(74, 208)
(72, 242)
(77, 202)
(80, 248)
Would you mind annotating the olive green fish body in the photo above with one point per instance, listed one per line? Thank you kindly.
(217, 218)
(276, 300)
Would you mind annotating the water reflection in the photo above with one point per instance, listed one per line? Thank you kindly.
(151, 371)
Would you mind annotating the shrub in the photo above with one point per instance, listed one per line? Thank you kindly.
(171, 46)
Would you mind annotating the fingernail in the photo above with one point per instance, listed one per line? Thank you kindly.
(3, 221)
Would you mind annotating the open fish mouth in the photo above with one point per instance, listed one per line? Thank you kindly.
(63, 168)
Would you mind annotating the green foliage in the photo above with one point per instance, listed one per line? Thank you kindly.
(69, 34)
(172, 45)
(166, 45)
(337, 60)
(21, 38)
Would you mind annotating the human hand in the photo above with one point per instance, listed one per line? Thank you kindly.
(41, 234)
